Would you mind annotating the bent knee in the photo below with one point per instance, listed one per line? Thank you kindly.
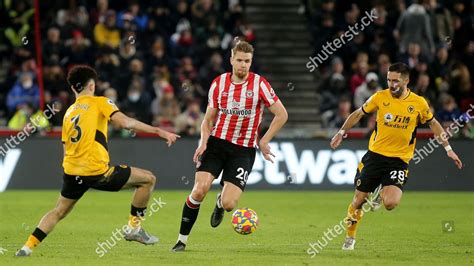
(150, 178)
(199, 193)
(229, 205)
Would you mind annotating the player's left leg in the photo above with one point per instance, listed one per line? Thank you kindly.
(391, 196)
(234, 178)
(226, 200)
(230, 196)
(47, 224)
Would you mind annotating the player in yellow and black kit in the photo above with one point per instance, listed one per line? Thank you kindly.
(384, 168)
(86, 159)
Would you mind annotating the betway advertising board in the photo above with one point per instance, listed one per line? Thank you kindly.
(299, 165)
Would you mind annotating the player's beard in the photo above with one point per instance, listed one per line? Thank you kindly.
(241, 73)
(396, 91)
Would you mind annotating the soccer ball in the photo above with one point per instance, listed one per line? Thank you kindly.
(244, 221)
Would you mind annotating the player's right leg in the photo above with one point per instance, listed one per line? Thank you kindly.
(47, 224)
(202, 184)
(366, 180)
(354, 216)
(144, 182)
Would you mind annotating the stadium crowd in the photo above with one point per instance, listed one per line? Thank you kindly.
(155, 59)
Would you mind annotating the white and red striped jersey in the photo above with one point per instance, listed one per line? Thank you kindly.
(240, 107)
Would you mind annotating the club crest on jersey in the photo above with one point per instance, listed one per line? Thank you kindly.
(411, 109)
(109, 101)
(249, 94)
(388, 117)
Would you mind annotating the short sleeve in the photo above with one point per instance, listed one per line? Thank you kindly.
(213, 95)
(63, 135)
(107, 107)
(425, 113)
(266, 92)
(371, 104)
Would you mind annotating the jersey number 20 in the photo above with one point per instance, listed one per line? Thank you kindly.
(75, 120)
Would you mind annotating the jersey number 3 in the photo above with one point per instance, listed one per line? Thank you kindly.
(75, 120)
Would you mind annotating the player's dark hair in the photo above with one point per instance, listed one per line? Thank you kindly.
(400, 68)
(79, 76)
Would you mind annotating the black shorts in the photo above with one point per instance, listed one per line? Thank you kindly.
(112, 180)
(221, 155)
(376, 169)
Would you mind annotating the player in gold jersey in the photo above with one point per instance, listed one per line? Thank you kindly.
(391, 145)
(86, 160)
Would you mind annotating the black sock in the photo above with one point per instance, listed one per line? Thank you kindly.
(39, 234)
(190, 214)
(135, 211)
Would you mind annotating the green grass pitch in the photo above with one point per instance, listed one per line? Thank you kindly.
(412, 234)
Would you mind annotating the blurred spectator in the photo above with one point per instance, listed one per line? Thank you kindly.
(106, 34)
(439, 68)
(424, 89)
(359, 77)
(366, 89)
(137, 103)
(18, 23)
(413, 55)
(383, 63)
(334, 86)
(78, 49)
(201, 10)
(20, 118)
(448, 112)
(209, 71)
(166, 110)
(189, 122)
(460, 81)
(414, 26)
(25, 91)
(135, 73)
(99, 13)
(440, 20)
(53, 49)
(132, 15)
(107, 66)
(335, 118)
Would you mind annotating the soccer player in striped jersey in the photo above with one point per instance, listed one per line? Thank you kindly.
(229, 135)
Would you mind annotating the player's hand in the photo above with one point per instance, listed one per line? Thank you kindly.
(336, 140)
(454, 156)
(265, 149)
(199, 151)
(169, 137)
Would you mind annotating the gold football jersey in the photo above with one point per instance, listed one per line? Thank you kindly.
(84, 135)
(397, 121)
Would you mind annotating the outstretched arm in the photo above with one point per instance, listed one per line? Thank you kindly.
(352, 120)
(441, 137)
(121, 120)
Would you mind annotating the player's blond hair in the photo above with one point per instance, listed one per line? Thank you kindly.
(242, 46)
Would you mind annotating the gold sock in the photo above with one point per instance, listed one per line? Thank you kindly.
(352, 220)
(134, 221)
(32, 242)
